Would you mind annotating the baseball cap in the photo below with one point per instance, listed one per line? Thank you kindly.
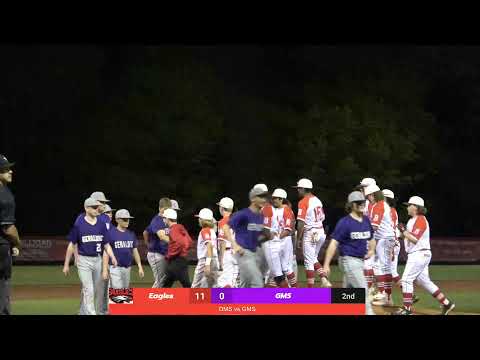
(205, 214)
(226, 203)
(279, 193)
(91, 202)
(262, 187)
(175, 205)
(256, 191)
(367, 181)
(4, 163)
(304, 183)
(99, 196)
(108, 208)
(415, 200)
(123, 214)
(170, 214)
(355, 196)
(388, 193)
(370, 189)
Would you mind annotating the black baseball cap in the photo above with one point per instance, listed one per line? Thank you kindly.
(4, 163)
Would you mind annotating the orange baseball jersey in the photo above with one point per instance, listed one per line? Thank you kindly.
(221, 234)
(310, 211)
(418, 226)
(206, 236)
(381, 219)
(368, 209)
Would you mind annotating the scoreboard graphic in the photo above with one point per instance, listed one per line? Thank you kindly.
(233, 301)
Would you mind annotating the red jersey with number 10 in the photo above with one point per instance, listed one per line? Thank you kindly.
(310, 211)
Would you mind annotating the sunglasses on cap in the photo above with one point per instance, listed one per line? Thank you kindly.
(94, 207)
(123, 219)
(360, 202)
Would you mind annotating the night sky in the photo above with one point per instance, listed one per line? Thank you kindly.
(201, 122)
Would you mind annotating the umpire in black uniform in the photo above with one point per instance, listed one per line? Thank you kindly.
(9, 239)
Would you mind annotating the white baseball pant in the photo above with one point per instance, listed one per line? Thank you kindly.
(313, 240)
(384, 255)
(229, 273)
(200, 280)
(119, 277)
(396, 252)
(158, 263)
(416, 269)
(90, 274)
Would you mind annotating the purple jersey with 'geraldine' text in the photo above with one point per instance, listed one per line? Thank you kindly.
(122, 243)
(89, 238)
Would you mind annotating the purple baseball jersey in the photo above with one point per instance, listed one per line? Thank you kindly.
(247, 226)
(122, 243)
(154, 243)
(352, 236)
(90, 239)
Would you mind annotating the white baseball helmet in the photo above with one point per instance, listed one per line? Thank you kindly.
(205, 214)
(367, 181)
(388, 193)
(370, 189)
(226, 203)
(279, 193)
(263, 187)
(304, 183)
(416, 200)
(170, 214)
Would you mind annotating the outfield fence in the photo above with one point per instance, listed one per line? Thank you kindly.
(51, 249)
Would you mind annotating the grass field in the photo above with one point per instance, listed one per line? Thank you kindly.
(44, 290)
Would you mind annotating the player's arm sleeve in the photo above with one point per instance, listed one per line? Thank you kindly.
(419, 227)
(236, 220)
(267, 217)
(106, 236)
(206, 236)
(7, 213)
(302, 210)
(377, 215)
(340, 232)
(289, 218)
(73, 235)
(135, 240)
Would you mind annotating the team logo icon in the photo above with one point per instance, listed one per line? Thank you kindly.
(120, 296)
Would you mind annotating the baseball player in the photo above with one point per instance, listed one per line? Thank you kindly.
(370, 263)
(228, 274)
(9, 238)
(124, 245)
(381, 219)
(102, 217)
(109, 212)
(390, 199)
(206, 271)
(260, 254)
(155, 237)
(249, 232)
(179, 242)
(311, 234)
(416, 237)
(292, 244)
(279, 219)
(351, 236)
(90, 236)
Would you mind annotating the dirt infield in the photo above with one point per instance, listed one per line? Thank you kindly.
(28, 292)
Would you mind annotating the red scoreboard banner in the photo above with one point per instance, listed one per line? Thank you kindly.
(264, 301)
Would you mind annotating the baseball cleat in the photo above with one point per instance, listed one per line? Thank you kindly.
(415, 299)
(446, 309)
(402, 311)
(325, 283)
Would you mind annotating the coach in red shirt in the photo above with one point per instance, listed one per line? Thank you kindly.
(178, 244)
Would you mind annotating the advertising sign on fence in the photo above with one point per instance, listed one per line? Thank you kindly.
(46, 249)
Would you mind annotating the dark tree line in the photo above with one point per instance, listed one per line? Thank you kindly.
(198, 123)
